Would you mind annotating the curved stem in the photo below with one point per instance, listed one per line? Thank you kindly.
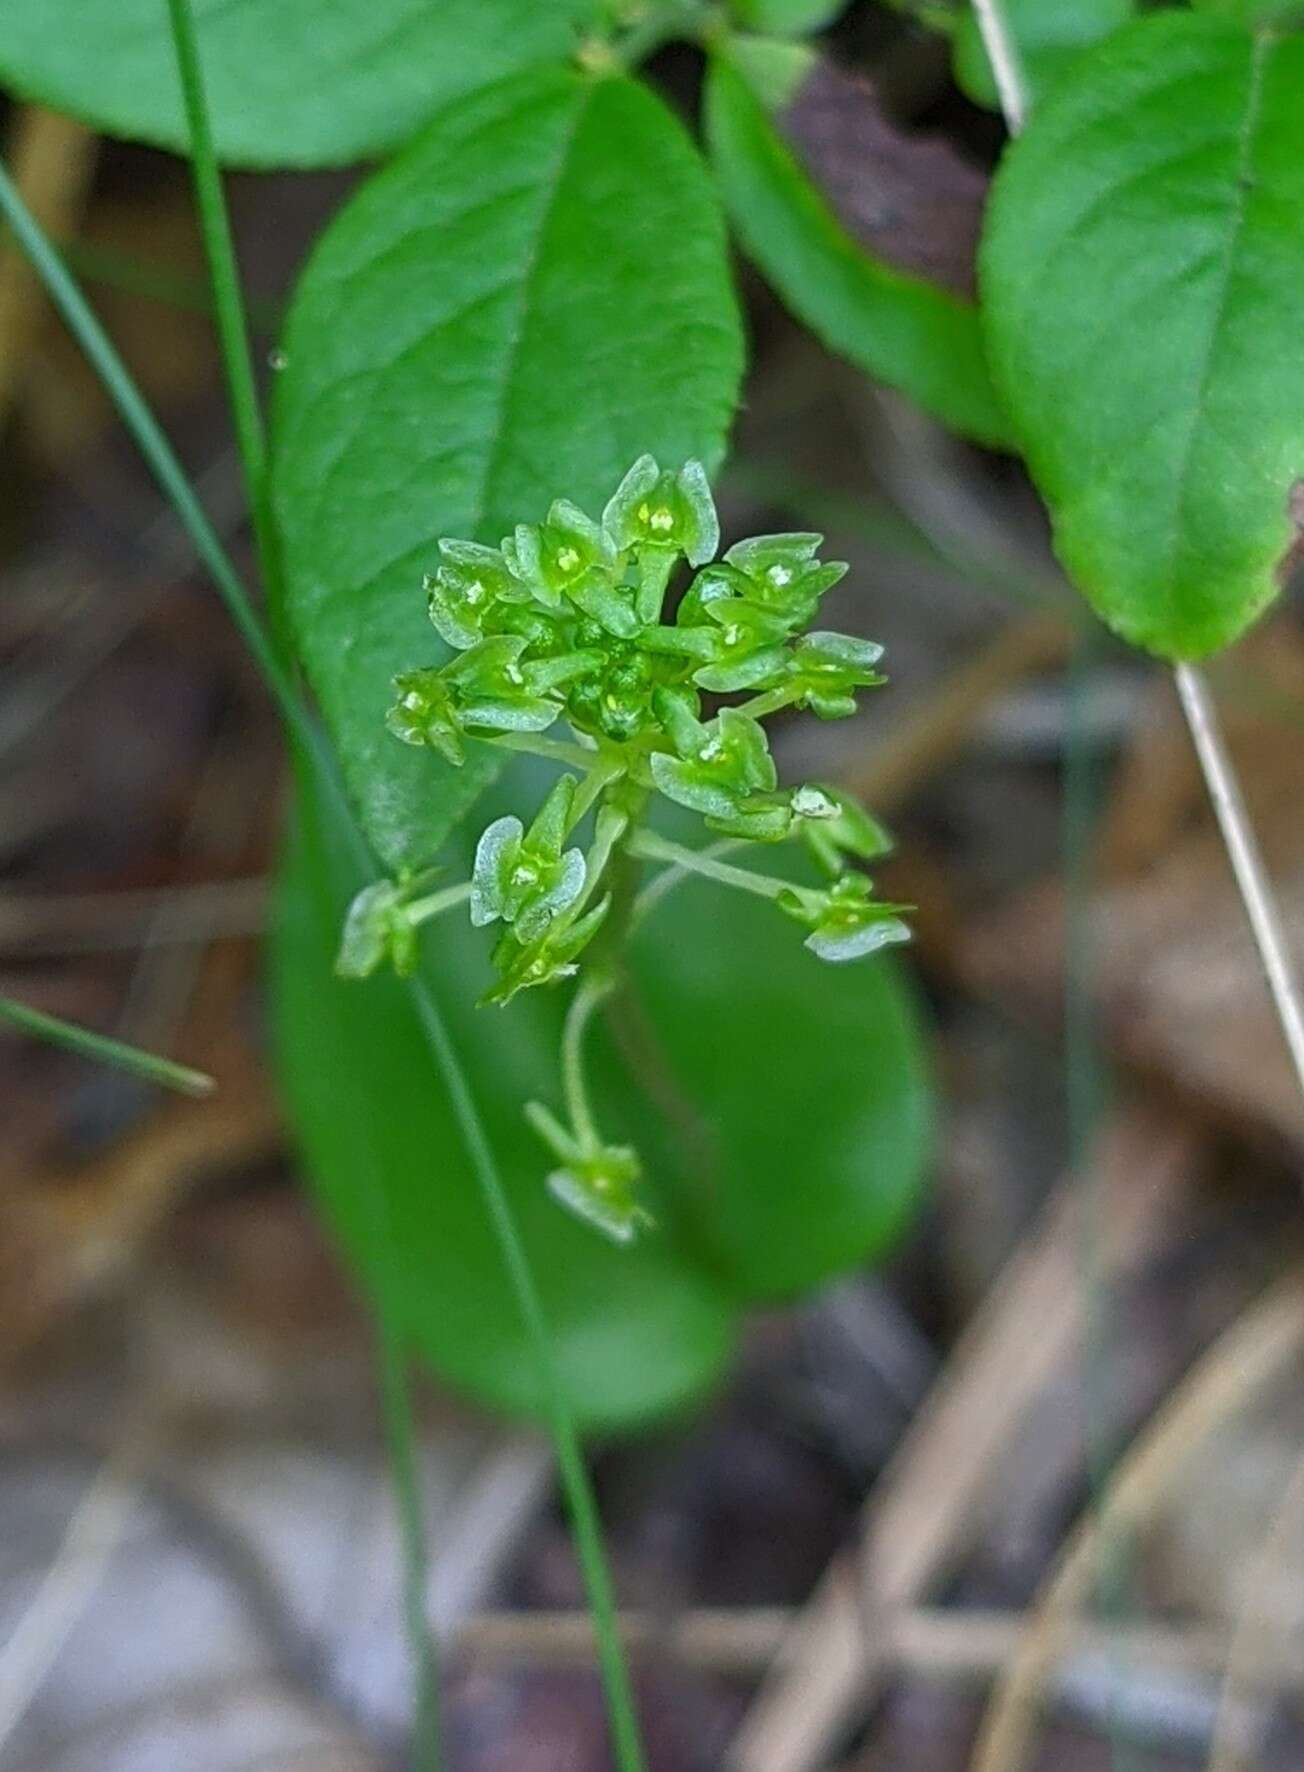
(591, 992)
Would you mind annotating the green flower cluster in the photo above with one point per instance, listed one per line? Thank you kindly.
(572, 621)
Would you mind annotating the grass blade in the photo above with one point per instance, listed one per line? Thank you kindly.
(72, 1038)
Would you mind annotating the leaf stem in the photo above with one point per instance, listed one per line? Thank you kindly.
(99, 1046)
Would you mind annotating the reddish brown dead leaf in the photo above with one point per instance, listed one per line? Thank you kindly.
(910, 199)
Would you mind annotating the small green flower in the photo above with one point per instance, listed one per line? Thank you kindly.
(615, 700)
(845, 921)
(750, 652)
(760, 818)
(718, 764)
(486, 687)
(833, 824)
(825, 670)
(548, 958)
(377, 929)
(524, 877)
(569, 556)
(468, 585)
(652, 508)
(594, 1180)
(659, 516)
(426, 713)
(600, 1189)
(782, 572)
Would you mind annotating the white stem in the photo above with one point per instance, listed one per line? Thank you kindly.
(1244, 855)
(1007, 66)
(1201, 716)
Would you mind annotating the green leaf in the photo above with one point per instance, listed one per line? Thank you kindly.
(892, 323)
(813, 1079)
(637, 1331)
(1143, 276)
(1050, 35)
(290, 82)
(782, 1107)
(787, 18)
(532, 295)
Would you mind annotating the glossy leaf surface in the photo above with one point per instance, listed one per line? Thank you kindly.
(531, 296)
(1143, 279)
(290, 82)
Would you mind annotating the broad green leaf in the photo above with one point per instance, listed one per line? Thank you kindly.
(636, 1331)
(1143, 278)
(809, 1084)
(290, 82)
(1050, 35)
(532, 295)
(787, 18)
(893, 324)
(781, 1106)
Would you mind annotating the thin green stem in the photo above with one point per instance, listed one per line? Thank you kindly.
(611, 827)
(576, 1488)
(162, 461)
(600, 777)
(768, 702)
(553, 750)
(400, 1427)
(674, 875)
(72, 1038)
(648, 846)
(424, 910)
(589, 994)
(232, 321)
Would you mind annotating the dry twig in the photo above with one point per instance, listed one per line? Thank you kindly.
(1246, 1358)
(931, 1500)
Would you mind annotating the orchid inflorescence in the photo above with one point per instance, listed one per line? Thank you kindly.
(566, 621)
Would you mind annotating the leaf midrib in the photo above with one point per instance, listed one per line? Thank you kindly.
(517, 337)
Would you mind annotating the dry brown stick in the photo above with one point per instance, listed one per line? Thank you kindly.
(1250, 1355)
(51, 160)
(934, 730)
(84, 922)
(1253, 1656)
(930, 1501)
(938, 1644)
